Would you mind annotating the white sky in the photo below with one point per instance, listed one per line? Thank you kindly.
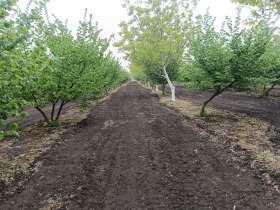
(109, 13)
(218, 8)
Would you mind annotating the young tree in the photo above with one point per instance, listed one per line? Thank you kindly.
(172, 70)
(13, 34)
(42, 63)
(210, 56)
(9, 104)
(157, 32)
(112, 74)
(62, 68)
(226, 59)
(269, 66)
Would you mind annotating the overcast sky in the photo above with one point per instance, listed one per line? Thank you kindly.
(109, 13)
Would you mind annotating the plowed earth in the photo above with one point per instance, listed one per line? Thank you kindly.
(264, 108)
(134, 153)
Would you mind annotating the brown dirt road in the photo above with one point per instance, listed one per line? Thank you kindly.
(134, 153)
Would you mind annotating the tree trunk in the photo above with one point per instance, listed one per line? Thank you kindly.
(53, 110)
(40, 110)
(43, 113)
(60, 109)
(163, 89)
(172, 87)
(217, 92)
(202, 111)
(156, 87)
(265, 91)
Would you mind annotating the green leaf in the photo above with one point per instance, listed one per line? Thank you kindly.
(12, 133)
(23, 116)
(2, 135)
(14, 125)
(13, 36)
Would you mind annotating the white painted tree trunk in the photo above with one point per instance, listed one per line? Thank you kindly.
(172, 87)
(156, 87)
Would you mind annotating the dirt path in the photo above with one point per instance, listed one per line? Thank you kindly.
(133, 153)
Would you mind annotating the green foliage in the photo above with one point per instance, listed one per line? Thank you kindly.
(13, 33)
(112, 73)
(53, 123)
(183, 72)
(63, 68)
(156, 78)
(269, 68)
(225, 59)
(261, 4)
(156, 33)
(247, 48)
(43, 63)
(209, 55)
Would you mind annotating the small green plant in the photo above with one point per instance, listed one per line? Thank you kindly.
(264, 93)
(53, 123)
(202, 113)
(8, 133)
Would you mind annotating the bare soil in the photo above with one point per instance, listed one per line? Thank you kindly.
(134, 153)
(264, 108)
(248, 122)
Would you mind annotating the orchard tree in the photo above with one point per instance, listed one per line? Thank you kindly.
(225, 59)
(269, 66)
(156, 78)
(247, 45)
(13, 34)
(157, 32)
(123, 76)
(210, 55)
(136, 72)
(9, 81)
(42, 63)
(63, 68)
(112, 73)
(184, 72)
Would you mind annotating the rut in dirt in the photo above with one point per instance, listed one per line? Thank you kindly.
(134, 153)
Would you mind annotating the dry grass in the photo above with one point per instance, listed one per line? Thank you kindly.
(247, 132)
(52, 203)
(17, 154)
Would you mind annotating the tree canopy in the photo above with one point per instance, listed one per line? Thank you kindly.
(157, 32)
(13, 35)
(225, 59)
(262, 5)
(42, 63)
